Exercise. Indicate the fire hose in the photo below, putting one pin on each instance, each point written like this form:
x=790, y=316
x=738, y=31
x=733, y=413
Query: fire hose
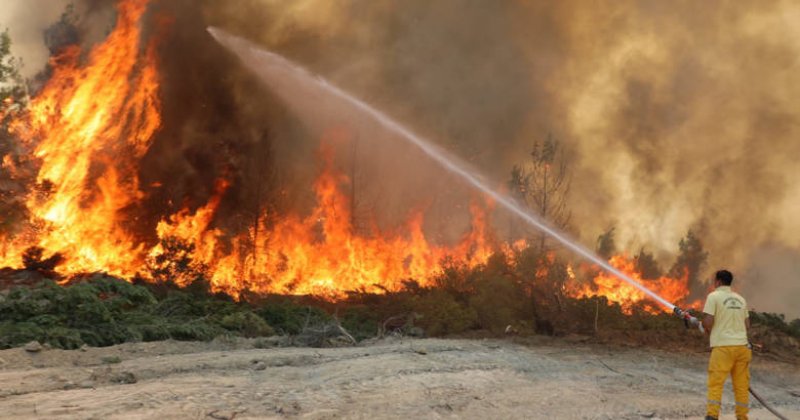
x=688, y=319
x=767, y=405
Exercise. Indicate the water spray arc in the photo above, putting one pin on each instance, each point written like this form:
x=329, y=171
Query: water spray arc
x=256, y=58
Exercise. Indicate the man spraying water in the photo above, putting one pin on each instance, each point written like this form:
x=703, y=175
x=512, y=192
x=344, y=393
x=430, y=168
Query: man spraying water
x=727, y=322
x=279, y=74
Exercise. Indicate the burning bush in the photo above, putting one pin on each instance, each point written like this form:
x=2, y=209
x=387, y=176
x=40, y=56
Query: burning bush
x=173, y=262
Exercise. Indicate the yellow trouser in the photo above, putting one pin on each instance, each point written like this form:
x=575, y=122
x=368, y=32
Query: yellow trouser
x=733, y=360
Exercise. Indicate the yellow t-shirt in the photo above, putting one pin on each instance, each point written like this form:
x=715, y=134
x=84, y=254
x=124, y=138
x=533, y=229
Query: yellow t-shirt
x=730, y=311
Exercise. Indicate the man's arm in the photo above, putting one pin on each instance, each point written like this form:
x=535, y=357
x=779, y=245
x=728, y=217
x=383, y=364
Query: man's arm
x=708, y=323
x=709, y=310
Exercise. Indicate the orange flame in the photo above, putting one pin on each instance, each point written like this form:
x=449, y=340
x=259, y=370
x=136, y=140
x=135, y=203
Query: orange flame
x=88, y=129
x=617, y=291
x=320, y=254
x=89, y=125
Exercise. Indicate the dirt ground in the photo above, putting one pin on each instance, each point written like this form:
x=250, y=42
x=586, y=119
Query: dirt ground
x=392, y=379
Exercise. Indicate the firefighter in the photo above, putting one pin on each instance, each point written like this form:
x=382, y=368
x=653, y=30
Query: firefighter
x=727, y=322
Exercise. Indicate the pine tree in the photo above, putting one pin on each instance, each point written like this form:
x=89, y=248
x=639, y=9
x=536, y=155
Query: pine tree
x=542, y=184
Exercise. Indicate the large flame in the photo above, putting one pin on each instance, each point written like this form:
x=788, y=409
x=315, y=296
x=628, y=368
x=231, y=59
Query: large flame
x=320, y=253
x=88, y=127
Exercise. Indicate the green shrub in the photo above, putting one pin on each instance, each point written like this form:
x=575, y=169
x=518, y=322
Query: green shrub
x=197, y=330
x=15, y=334
x=247, y=324
x=795, y=327
x=289, y=318
x=184, y=304
x=777, y=322
x=103, y=311
x=23, y=303
x=440, y=313
x=360, y=321
x=156, y=331
x=498, y=301
x=110, y=360
x=62, y=338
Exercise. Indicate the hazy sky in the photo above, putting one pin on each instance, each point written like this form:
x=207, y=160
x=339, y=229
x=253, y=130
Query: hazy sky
x=25, y=21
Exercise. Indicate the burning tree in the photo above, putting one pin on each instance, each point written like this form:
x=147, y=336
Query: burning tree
x=543, y=185
x=606, y=246
x=647, y=265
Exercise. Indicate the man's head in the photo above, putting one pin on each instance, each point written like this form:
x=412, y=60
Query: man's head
x=723, y=278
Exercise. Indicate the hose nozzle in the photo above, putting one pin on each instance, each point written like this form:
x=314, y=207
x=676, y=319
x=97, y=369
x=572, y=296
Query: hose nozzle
x=688, y=319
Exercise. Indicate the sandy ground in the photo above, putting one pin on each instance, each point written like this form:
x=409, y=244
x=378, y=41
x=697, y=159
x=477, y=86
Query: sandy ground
x=393, y=379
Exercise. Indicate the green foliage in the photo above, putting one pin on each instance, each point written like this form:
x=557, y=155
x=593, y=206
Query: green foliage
x=103, y=311
x=246, y=323
x=182, y=304
x=776, y=322
x=12, y=89
x=12, y=100
x=289, y=318
x=794, y=327
x=440, y=313
x=195, y=330
x=360, y=321
x=14, y=334
x=10, y=80
x=497, y=297
x=111, y=360
x=498, y=302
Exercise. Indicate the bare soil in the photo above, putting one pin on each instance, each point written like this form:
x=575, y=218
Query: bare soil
x=388, y=379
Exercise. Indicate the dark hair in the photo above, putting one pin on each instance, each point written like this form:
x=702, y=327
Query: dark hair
x=725, y=277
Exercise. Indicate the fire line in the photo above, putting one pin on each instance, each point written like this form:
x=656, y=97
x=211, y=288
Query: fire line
x=254, y=57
